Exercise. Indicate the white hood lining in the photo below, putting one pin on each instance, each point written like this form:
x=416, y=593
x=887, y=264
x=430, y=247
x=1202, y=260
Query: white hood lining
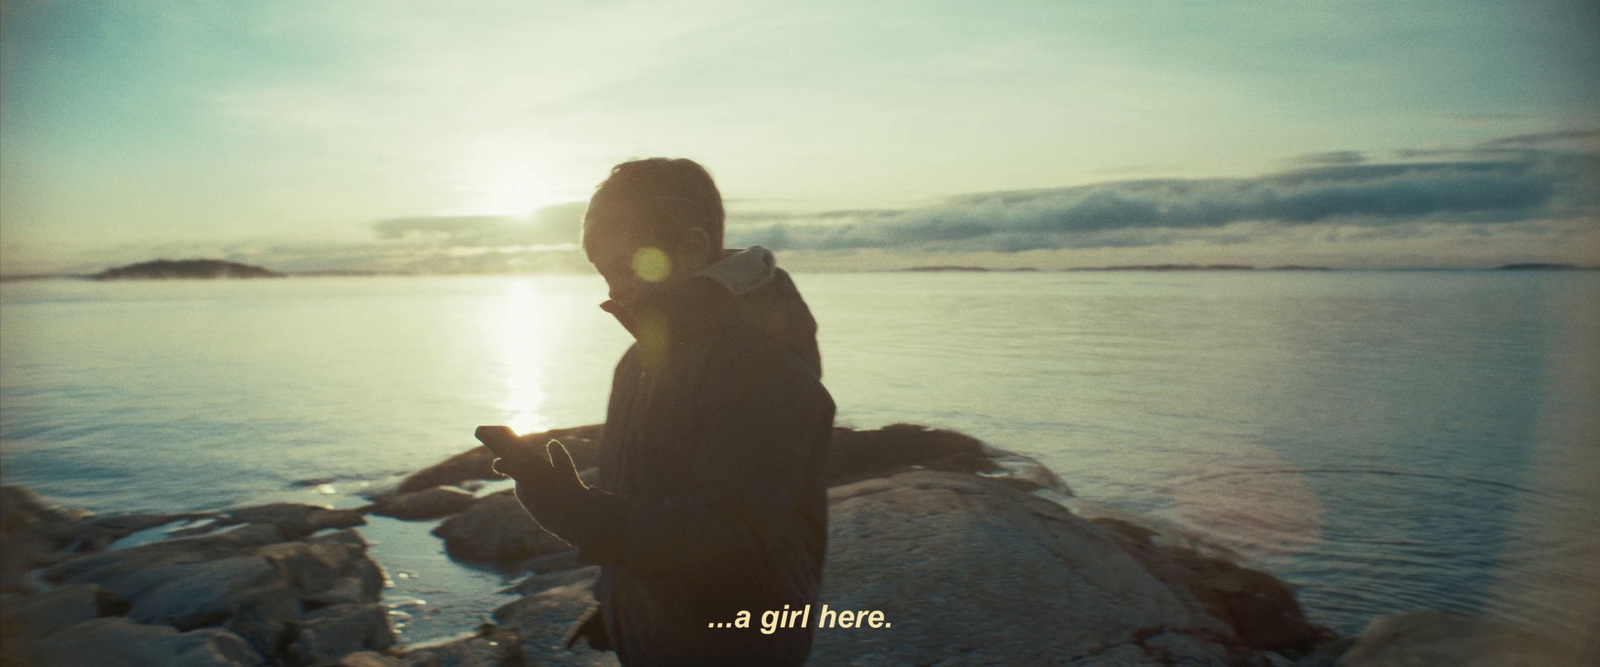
x=743, y=271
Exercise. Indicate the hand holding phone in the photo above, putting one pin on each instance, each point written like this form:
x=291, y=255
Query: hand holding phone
x=547, y=487
x=520, y=459
x=503, y=441
x=515, y=455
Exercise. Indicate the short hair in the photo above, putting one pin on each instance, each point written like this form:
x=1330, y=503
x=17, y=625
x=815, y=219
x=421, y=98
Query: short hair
x=663, y=195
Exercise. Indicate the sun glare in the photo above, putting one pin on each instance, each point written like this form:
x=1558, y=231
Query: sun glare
x=525, y=341
x=510, y=192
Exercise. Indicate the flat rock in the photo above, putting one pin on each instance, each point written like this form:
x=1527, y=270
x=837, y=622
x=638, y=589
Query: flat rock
x=194, y=595
x=1438, y=638
x=327, y=635
x=294, y=520
x=119, y=641
x=970, y=570
x=329, y=569
x=130, y=572
x=542, y=620
x=434, y=503
x=46, y=613
x=496, y=530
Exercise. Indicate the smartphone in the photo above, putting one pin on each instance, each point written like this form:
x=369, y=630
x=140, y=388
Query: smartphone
x=503, y=441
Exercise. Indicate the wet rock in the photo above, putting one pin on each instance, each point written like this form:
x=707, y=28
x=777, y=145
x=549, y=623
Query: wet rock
x=491, y=647
x=496, y=530
x=425, y=504
x=329, y=569
x=135, y=529
x=1025, y=473
x=855, y=455
x=583, y=442
x=131, y=572
x=125, y=524
x=34, y=532
x=1437, y=638
x=371, y=659
x=266, y=591
x=294, y=520
x=45, y=613
x=119, y=641
x=327, y=635
x=1258, y=607
x=21, y=509
x=542, y=620
x=194, y=595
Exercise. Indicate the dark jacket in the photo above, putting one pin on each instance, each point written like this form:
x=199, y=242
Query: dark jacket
x=712, y=499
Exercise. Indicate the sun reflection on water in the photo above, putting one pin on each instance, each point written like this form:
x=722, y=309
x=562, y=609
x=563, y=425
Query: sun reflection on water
x=525, y=337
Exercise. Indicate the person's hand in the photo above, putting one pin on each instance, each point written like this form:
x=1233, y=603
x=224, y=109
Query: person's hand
x=548, y=488
x=521, y=461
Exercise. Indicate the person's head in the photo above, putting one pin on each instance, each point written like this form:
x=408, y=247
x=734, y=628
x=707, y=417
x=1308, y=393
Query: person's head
x=652, y=224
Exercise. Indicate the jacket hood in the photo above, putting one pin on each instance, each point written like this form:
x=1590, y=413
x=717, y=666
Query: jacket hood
x=763, y=299
x=767, y=301
x=743, y=271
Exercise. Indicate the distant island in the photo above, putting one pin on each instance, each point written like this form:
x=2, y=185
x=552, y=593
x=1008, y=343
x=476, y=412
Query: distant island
x=1128, y=267
x=1203, y=267
x=164, y=269
x=1542, y=266
x=938, y=269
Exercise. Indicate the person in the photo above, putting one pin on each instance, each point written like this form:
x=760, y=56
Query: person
x=711, y=498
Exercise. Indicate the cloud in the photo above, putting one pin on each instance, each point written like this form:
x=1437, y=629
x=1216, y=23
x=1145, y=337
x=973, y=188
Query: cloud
x=556, y=225
x=1474, y=119
x=1542, y=138
x=1333, y=157
x=1520, y=186
x=1521, y=198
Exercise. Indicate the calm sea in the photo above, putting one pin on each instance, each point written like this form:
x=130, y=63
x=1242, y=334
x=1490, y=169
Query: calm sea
x=1383, y=440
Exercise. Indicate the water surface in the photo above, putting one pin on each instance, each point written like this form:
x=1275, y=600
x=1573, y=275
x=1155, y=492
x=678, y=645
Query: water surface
x=1383, y=440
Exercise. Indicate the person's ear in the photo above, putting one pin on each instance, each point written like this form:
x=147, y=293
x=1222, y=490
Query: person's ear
x=695, y=249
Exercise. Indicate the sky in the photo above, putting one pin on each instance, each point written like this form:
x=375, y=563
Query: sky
x=466, y=137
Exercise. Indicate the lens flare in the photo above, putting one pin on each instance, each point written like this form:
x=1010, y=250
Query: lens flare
x=651, y=265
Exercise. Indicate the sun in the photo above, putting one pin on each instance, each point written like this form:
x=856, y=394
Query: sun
x=510, y=191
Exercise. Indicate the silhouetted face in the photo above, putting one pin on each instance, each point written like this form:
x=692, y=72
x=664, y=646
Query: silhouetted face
x=634, y=267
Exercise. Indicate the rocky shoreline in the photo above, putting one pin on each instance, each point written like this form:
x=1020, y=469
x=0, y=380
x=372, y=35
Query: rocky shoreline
x=965, y=550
